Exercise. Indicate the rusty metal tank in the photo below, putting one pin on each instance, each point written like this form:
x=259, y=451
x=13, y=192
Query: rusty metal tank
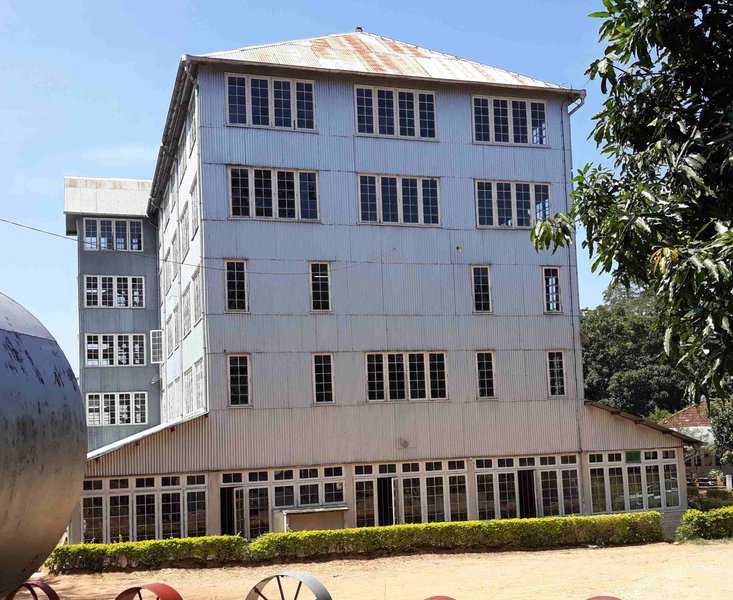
x=42, y=443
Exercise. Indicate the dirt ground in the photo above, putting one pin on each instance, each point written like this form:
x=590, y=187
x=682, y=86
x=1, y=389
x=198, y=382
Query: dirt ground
x=657, y=571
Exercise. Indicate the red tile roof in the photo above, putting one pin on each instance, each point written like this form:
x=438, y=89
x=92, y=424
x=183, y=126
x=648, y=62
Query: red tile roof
x=695, y=415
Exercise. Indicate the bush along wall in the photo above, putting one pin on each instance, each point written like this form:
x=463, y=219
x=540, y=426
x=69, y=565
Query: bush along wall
x=712, y=524
x=506, y=534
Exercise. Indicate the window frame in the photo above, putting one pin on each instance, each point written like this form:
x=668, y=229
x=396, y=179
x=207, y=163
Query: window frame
x=400, y=202
x=495, y=210
x=270, y=102
x=274, y=187
x=115, y=349
x=384, y=354
x=510, y=118
x=493, y=375
x=246, y=309
x=316, y=402
x=473, y=290
x=395, y=112
x=129, y=279
x=560, y=303
x=248, y=356
x=114, y=221
x=328, y=284
x=117, y=422
x=564, y=374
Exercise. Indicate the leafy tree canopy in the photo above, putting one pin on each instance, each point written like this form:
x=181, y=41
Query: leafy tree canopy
x=623, y=358
x=659, y=216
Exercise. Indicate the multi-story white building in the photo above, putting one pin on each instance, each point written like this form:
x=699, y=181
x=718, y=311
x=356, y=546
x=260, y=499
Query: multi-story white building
x=356, y=329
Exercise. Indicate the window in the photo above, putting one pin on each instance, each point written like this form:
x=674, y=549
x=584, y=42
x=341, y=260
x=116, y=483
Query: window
x=236, y=285
x=387, y=469
x=259, y=512
x=145, y=517
x=507, y=496
x=333, y=472
x=186, y=310
x=250, y=98
x=570, y=492
x=653, y=487
x=108, y=234
x=509, y=204
x=320, y=294
x=156, y=346
x=114, y=350
x=239, y=380
x=481, y=289
x=556, y=373
x=295, y=192
x=396, y=112
x=309, y=493
x=195, y=513
x=333, y=491
x=671, y=486
x=598, y=490
x=457, y=498
x=411, y=500
x=363, y=470
x=323, y=378
x=399, y=200
x=508, y=120
x=550, y=495
x=485, y=368
x=636, y=496
x=195, y=206
x=364, y=501
x=123, y=408
x=420, y=379
x=485, y=495
x=308, y=473
x=551, y=280
x=93, y=519
x=170, y=515
x=197, y=305
x=198, y=378
x=185, y=236
x=284, y=495
x=434, y=498
x=410, y=467
x=119, y=519
x=107, y=291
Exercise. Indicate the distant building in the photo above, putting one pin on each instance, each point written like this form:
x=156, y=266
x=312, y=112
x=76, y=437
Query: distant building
x=344, y=322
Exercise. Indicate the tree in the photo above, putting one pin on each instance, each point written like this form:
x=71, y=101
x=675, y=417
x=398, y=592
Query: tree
x=659, y=216
x=623, y=359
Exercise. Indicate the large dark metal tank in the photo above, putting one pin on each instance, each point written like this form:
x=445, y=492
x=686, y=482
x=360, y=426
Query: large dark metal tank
x=42, y=443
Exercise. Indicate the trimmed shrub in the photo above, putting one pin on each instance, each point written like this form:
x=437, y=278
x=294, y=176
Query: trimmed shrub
x=505, y=534
x=712, y=524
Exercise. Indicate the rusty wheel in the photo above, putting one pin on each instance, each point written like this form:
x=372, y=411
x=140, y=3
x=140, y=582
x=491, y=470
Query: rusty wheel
x=290, y=585
x=160, y=590
x=32, y=586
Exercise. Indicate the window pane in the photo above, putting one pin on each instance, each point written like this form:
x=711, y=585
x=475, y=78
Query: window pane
x=236, y=98
x=368, y=197
x=138, y=292
x=550, y=496
x=431, y=213
x=570, y=492
x=94, y=410
x=90, y=234
x=240, y=192
x=236, y=285
x=260, y=103
x=598, y=491
x=108, y=351
x=281, y=98
x=396, y=372
x=636, y=497
x=437, y=376
x=409, y=200
x=434, y=497
x=136, y=236
x=284, y=495
x=333, y=492
x=616, y=481
x=417, y=376
x=121, y=235
x=119, y=519
x=541, y=202
x=170, y=515
x=309, y=493
x=107, y=298
x=138, y=349
x=671, y=486
x=364, y=110
x=427, y=115
x=539, y=132
x=390, y=212
x=238, y=380
x=93, y=520
x=552, y=289
x=319, y=287
x=524, y=210
x=519, y=121
x=557, y=373
x=145, y=517
x=140, y=408
x=263, y=193
x=411, y=500
x=195, y=514
x=308, y=198
x=323, y=377
x=375, y=377
x=286, y=194
x=105, y=234
x=501, y=121
x=504, y=204
x=124, y=407
x=304, y=99
x=481, y=289
x=385, y=109
x=364, y=503
x=484, y=203
x=481, y=120
x=407, y=113
x=457, y=498
x=123, y=293
x=259, y=512
x=485, y=493
x=92, y=344
x=653, y=487
x=507, y=496
x=485, y=364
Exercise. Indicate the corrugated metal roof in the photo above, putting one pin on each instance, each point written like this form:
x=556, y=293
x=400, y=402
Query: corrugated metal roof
x=371, y=54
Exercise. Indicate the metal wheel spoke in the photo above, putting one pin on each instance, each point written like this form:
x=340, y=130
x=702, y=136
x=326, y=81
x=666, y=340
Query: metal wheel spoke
x=297, y=591
x=280, y=587
x=260, y=594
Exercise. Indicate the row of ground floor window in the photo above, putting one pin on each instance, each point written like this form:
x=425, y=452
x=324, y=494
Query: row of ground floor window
x=250, y=503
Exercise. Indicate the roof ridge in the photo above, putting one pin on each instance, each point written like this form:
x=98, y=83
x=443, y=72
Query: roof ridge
x=281, y=43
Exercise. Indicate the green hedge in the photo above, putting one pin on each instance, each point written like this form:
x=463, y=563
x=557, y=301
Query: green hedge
x=506, y=534
x=709, y=525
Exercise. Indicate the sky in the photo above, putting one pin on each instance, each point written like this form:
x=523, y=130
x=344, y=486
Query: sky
x=86, y=87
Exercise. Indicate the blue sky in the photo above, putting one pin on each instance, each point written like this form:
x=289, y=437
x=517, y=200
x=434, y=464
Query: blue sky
x=86, y=85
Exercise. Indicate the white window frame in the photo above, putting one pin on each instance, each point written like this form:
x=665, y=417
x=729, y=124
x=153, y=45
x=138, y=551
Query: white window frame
x=117, y=411
x=400, y=210
x=493, y=375
x=473, y=290
x=406, y=363
x=396, y=112
x=197, y=306
x=273, y=179
x=115, y=349
x=564, y=373
x=161, y=344
x=195, y=207
x=114, y=221
x=492, y=134
x=495, y=213
x=328, y=283
x=246, y=309
x=249, y=403
x=271, y=102
x=544, y=290
x=313, y=378
x=114, y=291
